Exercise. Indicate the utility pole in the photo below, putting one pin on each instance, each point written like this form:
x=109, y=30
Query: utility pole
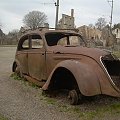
x=111, y=16
x=111, y=19
x=57, y=11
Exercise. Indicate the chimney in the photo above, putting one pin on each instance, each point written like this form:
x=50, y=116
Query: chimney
x=72, y=12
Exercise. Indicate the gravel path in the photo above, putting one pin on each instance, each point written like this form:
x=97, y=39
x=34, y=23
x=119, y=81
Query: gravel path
x=20, y=102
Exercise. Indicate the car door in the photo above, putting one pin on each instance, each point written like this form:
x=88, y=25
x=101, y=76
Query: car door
x=22, y=54
x=36, y=58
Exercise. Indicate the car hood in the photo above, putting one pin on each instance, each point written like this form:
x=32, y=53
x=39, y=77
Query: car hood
x=90, y=52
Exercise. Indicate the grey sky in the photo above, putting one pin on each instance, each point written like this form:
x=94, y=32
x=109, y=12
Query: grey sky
x=86, y=11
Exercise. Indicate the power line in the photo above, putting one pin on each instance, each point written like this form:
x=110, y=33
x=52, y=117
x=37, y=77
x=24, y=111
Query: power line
x=46, y=3
x=57, y=10
x=54, y=1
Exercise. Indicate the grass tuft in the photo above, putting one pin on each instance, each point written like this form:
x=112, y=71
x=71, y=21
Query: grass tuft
x=23, y=80
x=2, y=117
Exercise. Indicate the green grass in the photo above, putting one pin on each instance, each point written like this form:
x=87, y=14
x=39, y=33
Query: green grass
x=117, y=53
x=87, y=113
x=100, y=112
x=23, y=80
x=51, y=101
x=115, y=107
x=16, y=77
x=2, y=117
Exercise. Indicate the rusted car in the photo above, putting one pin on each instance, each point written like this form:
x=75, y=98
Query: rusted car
x=59, y=59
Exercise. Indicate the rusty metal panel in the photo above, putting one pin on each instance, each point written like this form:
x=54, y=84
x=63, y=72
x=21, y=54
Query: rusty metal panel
x=22, y=57
x=36, y=64
x=32, y=80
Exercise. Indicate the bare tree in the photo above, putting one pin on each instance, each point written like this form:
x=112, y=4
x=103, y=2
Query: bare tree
x=35, y=19
x=1, y=34
x=12, y=37
x=101, y=23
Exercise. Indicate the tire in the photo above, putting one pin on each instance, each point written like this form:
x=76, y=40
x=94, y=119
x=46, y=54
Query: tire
x=14, y=66
x=18, y=71
x=73, y=97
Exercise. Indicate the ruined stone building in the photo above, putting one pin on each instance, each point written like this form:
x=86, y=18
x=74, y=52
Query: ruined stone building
x=100, y=38
x=116, y=32
x=108, y=38
x=92, y=35
x=67, y=22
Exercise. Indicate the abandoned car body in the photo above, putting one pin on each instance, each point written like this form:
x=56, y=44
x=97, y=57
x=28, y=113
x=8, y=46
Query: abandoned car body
x=58, y=59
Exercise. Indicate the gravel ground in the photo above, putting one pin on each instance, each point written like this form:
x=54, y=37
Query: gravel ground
x=23, y=102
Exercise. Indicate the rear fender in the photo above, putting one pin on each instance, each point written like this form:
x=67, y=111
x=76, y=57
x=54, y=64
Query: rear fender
x=85, y=76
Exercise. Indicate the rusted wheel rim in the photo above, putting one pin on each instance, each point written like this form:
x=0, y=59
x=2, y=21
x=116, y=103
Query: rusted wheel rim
x=73, y=97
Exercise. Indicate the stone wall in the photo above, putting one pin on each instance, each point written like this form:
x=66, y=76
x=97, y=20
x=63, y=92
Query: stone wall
x=90, y=33
x=67, y=22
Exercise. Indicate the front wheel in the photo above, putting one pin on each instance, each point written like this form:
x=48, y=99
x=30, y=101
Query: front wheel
x=73, y=97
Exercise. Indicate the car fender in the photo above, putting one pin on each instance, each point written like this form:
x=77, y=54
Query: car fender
x=86, y=78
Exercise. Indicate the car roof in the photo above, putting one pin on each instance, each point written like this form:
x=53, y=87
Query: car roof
x=47, y=31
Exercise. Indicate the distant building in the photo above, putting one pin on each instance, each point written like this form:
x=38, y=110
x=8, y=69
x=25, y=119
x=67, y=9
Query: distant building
x=116, y=32
x=67, y=22
x=93, y=36
x=90, y=33
x=97, y=37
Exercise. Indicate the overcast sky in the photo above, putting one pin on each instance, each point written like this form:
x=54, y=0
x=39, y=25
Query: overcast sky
x=86, y=11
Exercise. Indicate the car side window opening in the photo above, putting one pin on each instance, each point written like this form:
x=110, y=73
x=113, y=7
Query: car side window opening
x=64, y=39
x=25, y=44
x=30, y=42
x=36, y=42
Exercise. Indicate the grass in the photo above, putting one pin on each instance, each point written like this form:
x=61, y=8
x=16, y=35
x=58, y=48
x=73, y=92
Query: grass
x=101, y=111
x=87, y=111
x=23, y=80
x=2, y=117
x=117, y=53
x=115, y=107
x=16, y=77
x=51, y=101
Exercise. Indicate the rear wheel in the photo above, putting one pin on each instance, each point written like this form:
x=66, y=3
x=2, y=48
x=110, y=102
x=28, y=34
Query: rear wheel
x=17, y=70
